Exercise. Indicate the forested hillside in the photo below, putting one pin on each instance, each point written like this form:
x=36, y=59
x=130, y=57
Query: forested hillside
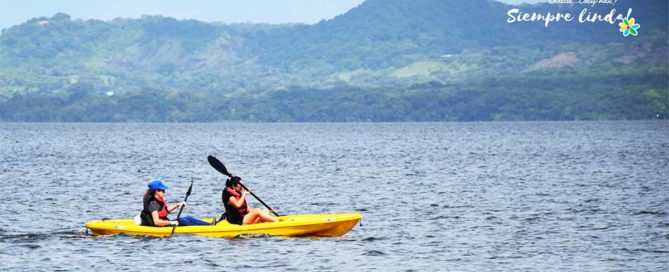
x=418, y=60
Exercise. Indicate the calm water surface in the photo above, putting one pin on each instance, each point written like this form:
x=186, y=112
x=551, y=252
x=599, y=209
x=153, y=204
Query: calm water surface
x=532, y=196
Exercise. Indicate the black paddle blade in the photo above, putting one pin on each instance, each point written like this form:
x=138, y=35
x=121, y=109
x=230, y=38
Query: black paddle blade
x=190, y=188
x=218, y=165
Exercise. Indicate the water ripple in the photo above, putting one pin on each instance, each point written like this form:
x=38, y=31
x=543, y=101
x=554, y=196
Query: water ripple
x=528, y=196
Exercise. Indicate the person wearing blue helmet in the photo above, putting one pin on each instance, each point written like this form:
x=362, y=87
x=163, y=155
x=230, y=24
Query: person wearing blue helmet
x=155, y=209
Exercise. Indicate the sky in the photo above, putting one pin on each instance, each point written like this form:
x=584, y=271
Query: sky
x=13, y=12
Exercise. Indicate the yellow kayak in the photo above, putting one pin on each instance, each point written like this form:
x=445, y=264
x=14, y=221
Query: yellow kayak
x=290, y=225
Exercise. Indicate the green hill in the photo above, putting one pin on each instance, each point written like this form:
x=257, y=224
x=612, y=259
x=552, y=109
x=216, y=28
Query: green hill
x=420, y=60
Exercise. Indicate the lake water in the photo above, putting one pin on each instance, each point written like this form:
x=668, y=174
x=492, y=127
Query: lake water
x=534, y=196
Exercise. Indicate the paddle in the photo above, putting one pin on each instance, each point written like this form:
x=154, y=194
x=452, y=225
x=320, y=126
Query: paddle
x=218, y=165
x=190, y=189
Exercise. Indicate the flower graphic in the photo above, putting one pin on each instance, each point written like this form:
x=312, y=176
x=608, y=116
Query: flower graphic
x=628, y=27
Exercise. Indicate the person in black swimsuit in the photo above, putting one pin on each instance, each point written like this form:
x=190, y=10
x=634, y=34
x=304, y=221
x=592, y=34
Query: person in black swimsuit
x=236, y=209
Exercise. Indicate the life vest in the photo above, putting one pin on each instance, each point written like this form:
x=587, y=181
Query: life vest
x=232, y=214
x=162, y=214
x=147, y=219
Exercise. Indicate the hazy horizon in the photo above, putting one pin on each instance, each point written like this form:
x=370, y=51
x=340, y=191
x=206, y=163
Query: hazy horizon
x=226, y=11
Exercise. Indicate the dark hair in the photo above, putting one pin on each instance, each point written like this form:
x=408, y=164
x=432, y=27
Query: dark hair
x=150, y=192
x=233, y=181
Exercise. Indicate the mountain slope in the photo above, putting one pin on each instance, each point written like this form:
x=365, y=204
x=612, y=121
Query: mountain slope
x=432, y=49
x=382, y=33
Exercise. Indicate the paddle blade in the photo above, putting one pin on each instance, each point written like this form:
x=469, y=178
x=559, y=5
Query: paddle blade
x=190, y=189
x=218, y=165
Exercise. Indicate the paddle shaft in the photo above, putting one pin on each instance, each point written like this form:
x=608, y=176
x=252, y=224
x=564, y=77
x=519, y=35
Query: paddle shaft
x=181, y=209
x=190, y=189
x=254, y=195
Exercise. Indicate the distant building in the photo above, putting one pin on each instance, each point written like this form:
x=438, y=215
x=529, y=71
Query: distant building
x=43, y=22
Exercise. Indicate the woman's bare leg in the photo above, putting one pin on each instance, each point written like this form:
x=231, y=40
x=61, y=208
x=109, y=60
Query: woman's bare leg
x=257, y=216
x=266, y=217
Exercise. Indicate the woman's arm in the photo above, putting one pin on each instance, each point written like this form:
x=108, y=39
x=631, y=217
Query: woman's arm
x=173, y=207
x=237, y=202
x=159, y=222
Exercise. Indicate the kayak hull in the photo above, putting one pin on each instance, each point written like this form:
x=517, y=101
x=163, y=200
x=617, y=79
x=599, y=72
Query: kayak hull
x=288, y=226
